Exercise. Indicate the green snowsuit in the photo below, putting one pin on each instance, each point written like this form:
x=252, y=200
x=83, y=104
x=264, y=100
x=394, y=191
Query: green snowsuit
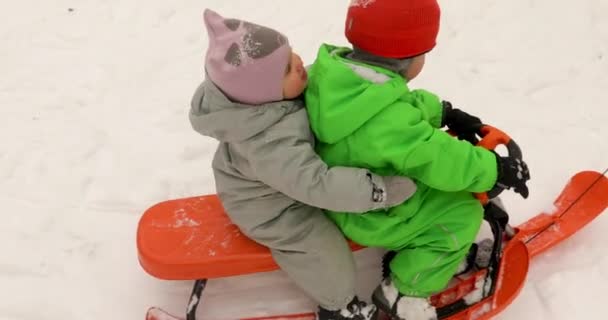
x=365, y=116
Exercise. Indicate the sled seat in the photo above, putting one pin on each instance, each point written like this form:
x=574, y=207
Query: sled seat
x=193, y=238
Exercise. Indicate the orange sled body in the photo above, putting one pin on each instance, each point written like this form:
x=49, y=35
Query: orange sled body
x=192, y=238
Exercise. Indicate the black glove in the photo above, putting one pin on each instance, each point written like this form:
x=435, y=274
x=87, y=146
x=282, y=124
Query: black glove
x=464, y=125
x=512, y=173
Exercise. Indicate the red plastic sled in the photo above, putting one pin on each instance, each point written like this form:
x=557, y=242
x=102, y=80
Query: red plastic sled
x=192, y=238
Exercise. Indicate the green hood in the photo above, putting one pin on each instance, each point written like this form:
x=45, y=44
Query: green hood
x=339, y=100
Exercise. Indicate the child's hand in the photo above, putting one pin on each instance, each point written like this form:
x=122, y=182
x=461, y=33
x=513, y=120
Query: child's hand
x=513, y=173
x=464, y=125
x=398, y=189
x=392, y=190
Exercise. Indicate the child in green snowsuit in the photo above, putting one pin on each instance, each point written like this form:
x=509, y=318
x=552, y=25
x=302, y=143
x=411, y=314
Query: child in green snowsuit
x=364, y=115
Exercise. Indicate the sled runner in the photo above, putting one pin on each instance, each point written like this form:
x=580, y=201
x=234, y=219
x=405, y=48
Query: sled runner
x=193, y=239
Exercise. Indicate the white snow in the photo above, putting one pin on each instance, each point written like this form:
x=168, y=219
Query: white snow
x=481, y=285
x=485, y=308
x=94, y=130
x=192, y=303
x=415, y=308
x=159, y=314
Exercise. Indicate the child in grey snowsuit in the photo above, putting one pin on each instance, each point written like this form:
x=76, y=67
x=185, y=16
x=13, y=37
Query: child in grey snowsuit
x=267, y=174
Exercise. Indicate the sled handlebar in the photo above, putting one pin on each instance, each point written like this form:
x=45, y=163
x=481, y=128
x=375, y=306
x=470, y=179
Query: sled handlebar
x=491, y=138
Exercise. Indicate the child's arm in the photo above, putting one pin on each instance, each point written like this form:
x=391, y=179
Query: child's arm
x=429, y=105
x=402, y=138
x=289, y=164
x=441, y=114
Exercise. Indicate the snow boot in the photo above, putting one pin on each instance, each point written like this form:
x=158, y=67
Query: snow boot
x=399, y=307
x=355, y=310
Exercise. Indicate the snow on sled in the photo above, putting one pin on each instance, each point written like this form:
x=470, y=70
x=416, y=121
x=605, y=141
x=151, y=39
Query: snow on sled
x=193, y=239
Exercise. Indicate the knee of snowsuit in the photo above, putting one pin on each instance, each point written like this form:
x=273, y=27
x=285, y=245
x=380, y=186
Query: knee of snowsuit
x=431, y=233
x=313, y=252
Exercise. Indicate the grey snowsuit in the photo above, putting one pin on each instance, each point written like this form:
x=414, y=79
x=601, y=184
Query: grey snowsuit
x=271, y=181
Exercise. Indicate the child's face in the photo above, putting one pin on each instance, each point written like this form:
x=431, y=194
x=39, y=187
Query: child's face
x=415, y=68
x=295, y=79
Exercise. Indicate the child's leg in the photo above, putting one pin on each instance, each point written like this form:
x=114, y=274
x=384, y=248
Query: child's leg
x=428, y=262
x=313, y=252
x=327, y=272
x=440, y=235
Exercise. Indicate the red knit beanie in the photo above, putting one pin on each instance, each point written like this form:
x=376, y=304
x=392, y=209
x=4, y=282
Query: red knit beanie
x=393, y=28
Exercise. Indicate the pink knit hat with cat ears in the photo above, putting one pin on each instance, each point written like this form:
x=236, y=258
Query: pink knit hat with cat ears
x=245, y=60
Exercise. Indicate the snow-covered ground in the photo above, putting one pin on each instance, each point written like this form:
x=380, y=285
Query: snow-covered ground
x=94, y=97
